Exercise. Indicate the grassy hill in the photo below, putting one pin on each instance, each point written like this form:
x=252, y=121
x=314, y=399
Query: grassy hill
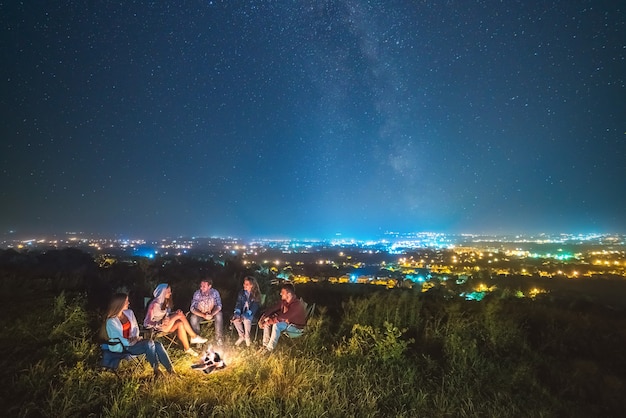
x=365, y=353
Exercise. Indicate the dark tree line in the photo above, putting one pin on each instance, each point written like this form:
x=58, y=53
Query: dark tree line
x=73, y=270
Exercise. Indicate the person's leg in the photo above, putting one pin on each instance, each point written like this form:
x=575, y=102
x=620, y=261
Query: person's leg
x=182, y=334
x=293, y=331
x=238, y=324
x=194, y=322
x=219, y=327
x=277, y=328
x=145, y=347
x=247, y=326
x=163, y=357
x=267, y=333
x=187, y=327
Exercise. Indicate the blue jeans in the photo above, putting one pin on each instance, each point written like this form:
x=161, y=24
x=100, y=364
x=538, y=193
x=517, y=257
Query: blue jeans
x=218, y=320
x=154, y=351
x=271, y=335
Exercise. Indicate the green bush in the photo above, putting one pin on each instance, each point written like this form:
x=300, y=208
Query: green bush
x=370, y=344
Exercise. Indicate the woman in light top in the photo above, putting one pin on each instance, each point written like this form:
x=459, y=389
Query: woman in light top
x=121, y=332
x=161, y=318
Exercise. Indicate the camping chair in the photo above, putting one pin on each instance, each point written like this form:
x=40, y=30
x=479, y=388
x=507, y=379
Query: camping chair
x=255, y=321
x=111, y=359
x=168, y=338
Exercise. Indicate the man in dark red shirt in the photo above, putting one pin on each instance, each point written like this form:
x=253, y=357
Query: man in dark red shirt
x=288, y=316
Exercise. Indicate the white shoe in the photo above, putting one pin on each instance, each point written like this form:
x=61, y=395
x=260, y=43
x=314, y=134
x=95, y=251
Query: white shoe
x=239, y=341
x=191, y=352
x=198, y=340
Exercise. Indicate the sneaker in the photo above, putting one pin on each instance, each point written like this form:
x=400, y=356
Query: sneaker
x=191, y=352
x=239, y=341
x=198, y=340
x=265, y=352
x=248, y=342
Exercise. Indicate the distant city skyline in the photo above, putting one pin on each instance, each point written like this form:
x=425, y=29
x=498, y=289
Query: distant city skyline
x=423, y=238
x=312, y=119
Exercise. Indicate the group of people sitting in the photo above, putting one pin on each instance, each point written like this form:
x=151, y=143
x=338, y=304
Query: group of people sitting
x=121, y=330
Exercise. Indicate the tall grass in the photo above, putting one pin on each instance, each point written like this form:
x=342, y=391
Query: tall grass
x=394, y=353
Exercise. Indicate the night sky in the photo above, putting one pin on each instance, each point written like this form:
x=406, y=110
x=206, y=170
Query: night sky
x=307, y=119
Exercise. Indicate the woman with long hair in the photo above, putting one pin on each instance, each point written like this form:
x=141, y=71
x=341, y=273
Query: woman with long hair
x=161, y=318
x=121, y=332
x=246, y=307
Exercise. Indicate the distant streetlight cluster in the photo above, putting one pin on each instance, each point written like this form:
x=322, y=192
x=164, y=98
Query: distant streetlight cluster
x=423, y=259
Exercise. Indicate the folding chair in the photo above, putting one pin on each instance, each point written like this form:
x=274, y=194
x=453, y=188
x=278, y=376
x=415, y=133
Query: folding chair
x=309, y=311
x=255, y=321
x=169, y=338
x=111, y=359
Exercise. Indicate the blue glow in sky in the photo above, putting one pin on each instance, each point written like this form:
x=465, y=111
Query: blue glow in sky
x=305, y=119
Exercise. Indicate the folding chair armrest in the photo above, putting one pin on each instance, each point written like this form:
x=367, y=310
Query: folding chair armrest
x=146, y=333
x=112, y=341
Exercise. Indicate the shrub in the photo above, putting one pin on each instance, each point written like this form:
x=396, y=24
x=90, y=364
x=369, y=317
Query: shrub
x=374, y=345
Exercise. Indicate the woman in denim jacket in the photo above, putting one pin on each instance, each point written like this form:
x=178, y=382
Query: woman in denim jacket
x=248, y=303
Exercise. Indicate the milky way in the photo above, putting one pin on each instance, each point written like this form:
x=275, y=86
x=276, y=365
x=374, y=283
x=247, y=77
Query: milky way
x=307, y=119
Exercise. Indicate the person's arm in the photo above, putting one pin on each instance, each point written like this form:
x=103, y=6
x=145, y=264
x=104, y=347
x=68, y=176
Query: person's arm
x=218, y=303
x=273, y=311
x=134, y=327
x=194, y=306
x=115, y=333
x=294, y=314
x=269, y=316
x=253, y=308
x=239, y=304
x=149, y=321
x=135, y=334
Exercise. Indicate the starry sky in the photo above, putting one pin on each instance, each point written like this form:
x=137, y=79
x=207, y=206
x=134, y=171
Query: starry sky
x=309, y=119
